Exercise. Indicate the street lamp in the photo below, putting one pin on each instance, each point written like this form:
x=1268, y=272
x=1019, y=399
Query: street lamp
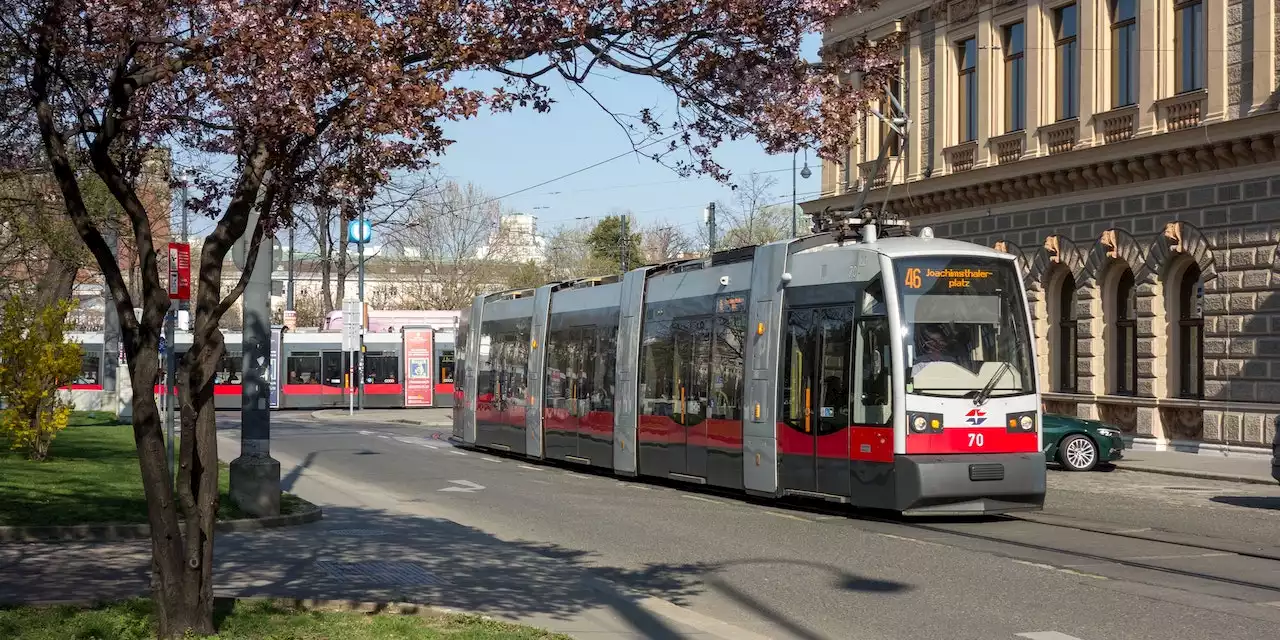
x=804, y=173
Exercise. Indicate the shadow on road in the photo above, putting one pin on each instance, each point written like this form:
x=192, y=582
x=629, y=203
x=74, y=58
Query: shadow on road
x=1253, y=502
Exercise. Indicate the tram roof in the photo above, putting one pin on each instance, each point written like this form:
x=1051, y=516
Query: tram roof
x=913, y=246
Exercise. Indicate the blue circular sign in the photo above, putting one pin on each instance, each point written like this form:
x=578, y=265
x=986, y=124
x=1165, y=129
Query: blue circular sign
x=359, y=231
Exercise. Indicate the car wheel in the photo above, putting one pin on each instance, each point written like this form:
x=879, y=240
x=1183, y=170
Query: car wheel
x=1078, y=453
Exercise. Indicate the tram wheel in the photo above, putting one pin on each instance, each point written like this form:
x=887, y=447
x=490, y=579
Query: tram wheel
x=1078, y=453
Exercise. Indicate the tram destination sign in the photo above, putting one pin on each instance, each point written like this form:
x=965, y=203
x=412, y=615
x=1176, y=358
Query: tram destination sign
x=963, y=278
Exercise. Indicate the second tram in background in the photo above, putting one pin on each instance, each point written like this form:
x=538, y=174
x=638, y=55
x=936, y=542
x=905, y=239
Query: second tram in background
x=892, y=373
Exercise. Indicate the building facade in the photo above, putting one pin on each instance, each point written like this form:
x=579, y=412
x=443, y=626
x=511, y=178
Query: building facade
x=1128, y=151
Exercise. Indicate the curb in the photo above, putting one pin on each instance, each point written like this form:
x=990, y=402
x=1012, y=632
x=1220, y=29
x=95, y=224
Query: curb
x=118, y=532
x=1203, y=475
x=1155, y=535
x=303, y=604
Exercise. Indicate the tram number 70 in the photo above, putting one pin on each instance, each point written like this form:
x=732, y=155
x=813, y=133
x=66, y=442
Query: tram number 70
x=913, y=280
x=975, y=439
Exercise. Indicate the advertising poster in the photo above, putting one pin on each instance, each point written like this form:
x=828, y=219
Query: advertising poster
x=273, y=372
x=419, y=368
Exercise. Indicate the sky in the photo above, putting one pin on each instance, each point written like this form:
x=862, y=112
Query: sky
x=509, y=152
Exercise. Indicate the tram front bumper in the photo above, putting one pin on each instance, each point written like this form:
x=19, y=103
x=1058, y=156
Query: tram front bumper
x=962, y=484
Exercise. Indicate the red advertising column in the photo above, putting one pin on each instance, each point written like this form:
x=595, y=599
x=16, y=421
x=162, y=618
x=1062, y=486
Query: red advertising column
x=419, y=367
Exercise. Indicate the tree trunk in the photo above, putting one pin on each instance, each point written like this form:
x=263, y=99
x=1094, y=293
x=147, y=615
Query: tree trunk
x=323, y=218
x=182, y=603
x=340, y=247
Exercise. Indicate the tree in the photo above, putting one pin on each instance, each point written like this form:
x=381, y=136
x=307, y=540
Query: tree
x=265, y=88
x=569, y=254
x=35, y=360
x=754, y=217
x=452, y=247
x=614, y=239
x=662, y=242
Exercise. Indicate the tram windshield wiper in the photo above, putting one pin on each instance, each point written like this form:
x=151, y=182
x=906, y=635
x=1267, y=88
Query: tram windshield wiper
x=985, y=394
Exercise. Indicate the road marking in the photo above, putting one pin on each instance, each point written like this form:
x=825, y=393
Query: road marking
x=488, y=459
x=455, y=451
x=1270, y=604
x=529, y=467
x=366, y=433
x=385, y=437
x=1177, y=557
x=915, y=540
x=704, y=499
x=465, y=486
x=430, y=446
x=1046, y=635
x=786, y=515
x=1041, y=565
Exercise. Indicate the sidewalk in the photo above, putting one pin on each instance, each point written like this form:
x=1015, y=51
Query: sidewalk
x=372, y=547
x=1239, y=468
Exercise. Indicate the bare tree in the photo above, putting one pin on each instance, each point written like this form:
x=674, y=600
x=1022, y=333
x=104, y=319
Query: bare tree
x=664, y=241
x=569, y=254
x=449, y=245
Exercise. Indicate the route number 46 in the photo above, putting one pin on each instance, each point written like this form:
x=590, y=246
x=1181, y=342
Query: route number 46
x=975, y=439
x=913, y=280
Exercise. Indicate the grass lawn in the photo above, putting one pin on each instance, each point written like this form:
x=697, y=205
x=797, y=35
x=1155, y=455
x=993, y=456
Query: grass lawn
x=91, y=477
x=131, y=620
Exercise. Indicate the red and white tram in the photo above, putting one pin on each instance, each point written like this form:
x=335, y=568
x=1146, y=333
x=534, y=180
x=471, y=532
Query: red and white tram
x=894, y=373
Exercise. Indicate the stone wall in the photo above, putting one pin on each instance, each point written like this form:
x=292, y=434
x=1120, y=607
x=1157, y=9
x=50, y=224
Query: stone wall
x=1239, y=71
x=1231, y=229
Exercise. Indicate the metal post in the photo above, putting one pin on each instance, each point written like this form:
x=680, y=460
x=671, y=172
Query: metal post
x=711, y=227
x=793, y=192
x=255, y=475
x=625, y=241
x=170, y=383
x=288, y=300
x=360, y=382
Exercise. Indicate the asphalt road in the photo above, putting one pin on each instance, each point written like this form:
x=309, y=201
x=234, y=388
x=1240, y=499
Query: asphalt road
x=795, y=572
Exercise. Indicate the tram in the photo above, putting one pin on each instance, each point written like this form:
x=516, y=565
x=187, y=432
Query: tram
x=890, y=373
x=312, y=369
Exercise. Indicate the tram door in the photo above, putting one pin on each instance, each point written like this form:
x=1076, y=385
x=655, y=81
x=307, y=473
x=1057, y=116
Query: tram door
x=815, y=400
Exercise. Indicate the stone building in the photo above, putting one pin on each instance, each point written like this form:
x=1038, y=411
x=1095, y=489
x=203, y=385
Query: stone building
x=1129, y=152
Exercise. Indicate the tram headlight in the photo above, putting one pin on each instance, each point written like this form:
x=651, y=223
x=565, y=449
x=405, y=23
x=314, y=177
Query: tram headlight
x=921, y=423
x=1023, y=422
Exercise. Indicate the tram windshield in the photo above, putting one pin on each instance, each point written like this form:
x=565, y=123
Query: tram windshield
x=965, y=327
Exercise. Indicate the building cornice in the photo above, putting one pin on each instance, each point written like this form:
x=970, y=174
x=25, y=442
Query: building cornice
x=1225, y=145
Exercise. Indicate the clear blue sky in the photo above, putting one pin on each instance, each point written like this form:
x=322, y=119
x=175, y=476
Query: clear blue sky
x=503, y=153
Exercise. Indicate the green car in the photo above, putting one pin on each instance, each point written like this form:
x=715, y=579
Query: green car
x=1079, y=444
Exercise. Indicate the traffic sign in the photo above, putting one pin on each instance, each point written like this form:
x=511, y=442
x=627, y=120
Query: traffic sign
x=359, y=231
x=351, y=324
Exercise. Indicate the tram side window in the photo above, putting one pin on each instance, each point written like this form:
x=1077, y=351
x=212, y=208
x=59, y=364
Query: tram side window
x=584, y=342
x=304, y=367
x=727, y=364
x=559, y=368
x=872, y=357
x=692, y=366
x=381, y=367
x=230, y=368
x=90, y=367
x=657, y=370
x=605, y=357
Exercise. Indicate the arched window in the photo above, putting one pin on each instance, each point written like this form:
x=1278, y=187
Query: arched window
x=1066, y=343
x=1125, y=327
x=1190, y=334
